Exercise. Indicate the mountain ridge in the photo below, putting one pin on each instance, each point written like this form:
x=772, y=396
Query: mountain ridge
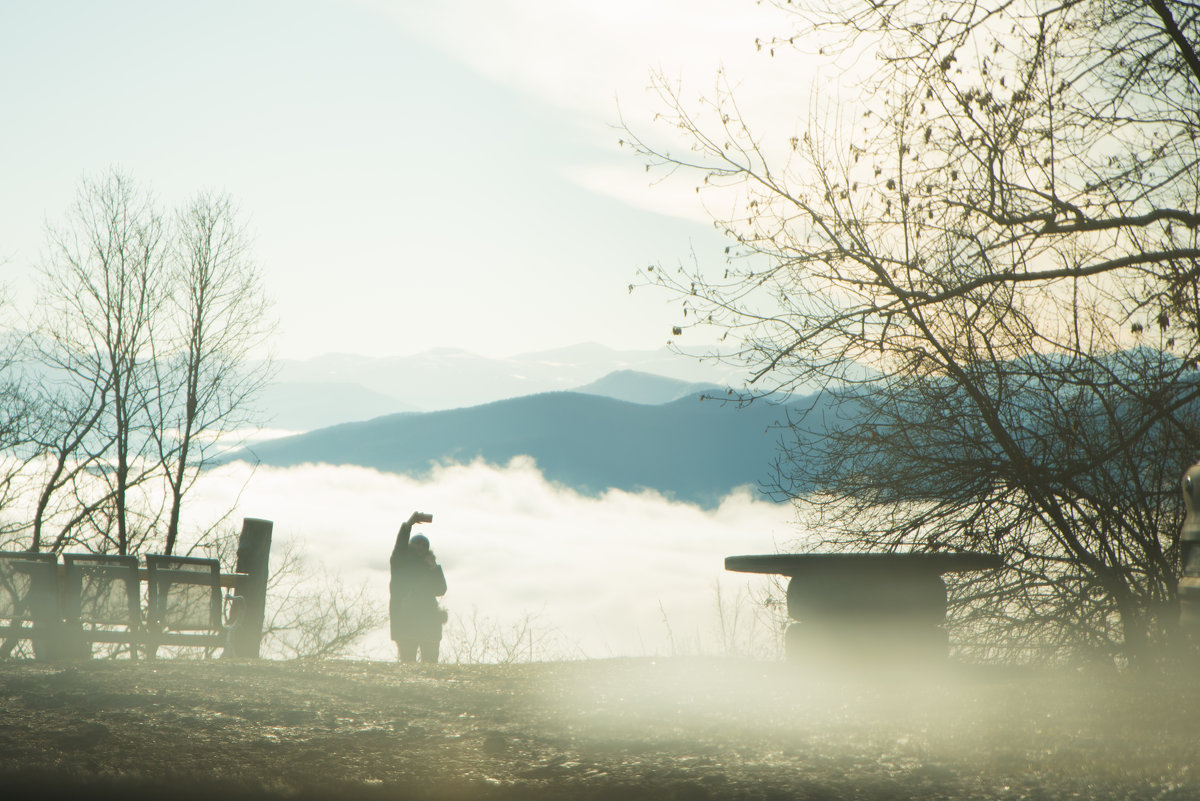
x=434, y=380
x=690, y=450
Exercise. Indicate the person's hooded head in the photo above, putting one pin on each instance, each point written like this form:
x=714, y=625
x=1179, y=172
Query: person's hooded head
x=419, y=544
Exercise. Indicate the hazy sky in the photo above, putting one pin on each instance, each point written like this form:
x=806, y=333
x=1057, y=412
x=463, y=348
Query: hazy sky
x=416, y=174
x=420, y=174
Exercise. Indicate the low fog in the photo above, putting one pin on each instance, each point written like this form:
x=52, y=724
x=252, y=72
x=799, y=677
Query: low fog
x=617, y=575
x=622, y=575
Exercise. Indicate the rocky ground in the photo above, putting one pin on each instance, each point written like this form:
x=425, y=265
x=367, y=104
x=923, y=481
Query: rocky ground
x=631, y=729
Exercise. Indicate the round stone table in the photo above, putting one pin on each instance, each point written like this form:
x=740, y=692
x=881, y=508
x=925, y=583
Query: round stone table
x=865, y=609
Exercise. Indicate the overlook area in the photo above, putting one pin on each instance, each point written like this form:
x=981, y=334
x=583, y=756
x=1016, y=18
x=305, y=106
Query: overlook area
x=632, y=729
x=713, y=336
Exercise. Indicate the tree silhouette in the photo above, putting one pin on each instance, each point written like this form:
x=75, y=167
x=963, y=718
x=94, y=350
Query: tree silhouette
x=994, y=268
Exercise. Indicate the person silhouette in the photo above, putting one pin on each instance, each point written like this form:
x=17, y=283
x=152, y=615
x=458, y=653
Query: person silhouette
x=417, y=582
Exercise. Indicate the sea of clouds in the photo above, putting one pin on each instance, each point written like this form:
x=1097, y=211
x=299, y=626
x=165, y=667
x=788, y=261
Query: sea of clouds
x=588, y=577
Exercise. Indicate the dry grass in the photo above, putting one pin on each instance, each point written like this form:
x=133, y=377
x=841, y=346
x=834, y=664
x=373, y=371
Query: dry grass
x=630, y=729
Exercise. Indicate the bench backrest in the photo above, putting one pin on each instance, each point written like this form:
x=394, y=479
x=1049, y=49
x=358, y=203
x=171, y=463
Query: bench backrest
x=184, y=592
x=28, y=587
x=103, y=589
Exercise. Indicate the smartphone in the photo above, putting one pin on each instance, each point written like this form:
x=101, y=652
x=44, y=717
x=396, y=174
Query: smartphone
x=424, y=518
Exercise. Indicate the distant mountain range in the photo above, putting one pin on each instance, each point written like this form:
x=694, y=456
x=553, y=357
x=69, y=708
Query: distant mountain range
x=306, y=405
x=337, y=388
x=628, y=429
x=689, y=449
x=637, y=387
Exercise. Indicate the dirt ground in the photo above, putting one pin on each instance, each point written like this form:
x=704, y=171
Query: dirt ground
x=683, y=729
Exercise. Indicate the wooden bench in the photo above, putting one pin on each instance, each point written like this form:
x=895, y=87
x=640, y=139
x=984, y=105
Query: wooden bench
x=65, y=609
x=184, y=602
x=101, y=591
x=29, y=601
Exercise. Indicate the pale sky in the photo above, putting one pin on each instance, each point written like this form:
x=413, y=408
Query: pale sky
x=416, y=175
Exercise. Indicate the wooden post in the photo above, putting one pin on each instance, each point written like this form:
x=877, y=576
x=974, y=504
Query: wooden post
x=253, y=557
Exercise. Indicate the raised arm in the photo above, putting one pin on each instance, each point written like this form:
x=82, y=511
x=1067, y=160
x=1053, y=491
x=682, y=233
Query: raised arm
x=402, y=537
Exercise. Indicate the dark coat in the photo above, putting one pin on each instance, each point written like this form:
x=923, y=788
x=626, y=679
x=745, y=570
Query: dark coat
x=417, y=582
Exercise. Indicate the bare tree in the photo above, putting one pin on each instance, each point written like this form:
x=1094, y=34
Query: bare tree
x=321, y=618
x=993, y=271
x=312, y=614
x=102, y=288
x=1086, y=515
x=20, y=414
x=58, y=458
x=478, y=638
x=214, y=321
x=141, y=346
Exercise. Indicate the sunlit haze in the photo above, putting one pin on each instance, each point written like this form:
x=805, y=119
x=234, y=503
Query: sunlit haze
x=898, y=300
x=618, y=575
x=414, y=175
